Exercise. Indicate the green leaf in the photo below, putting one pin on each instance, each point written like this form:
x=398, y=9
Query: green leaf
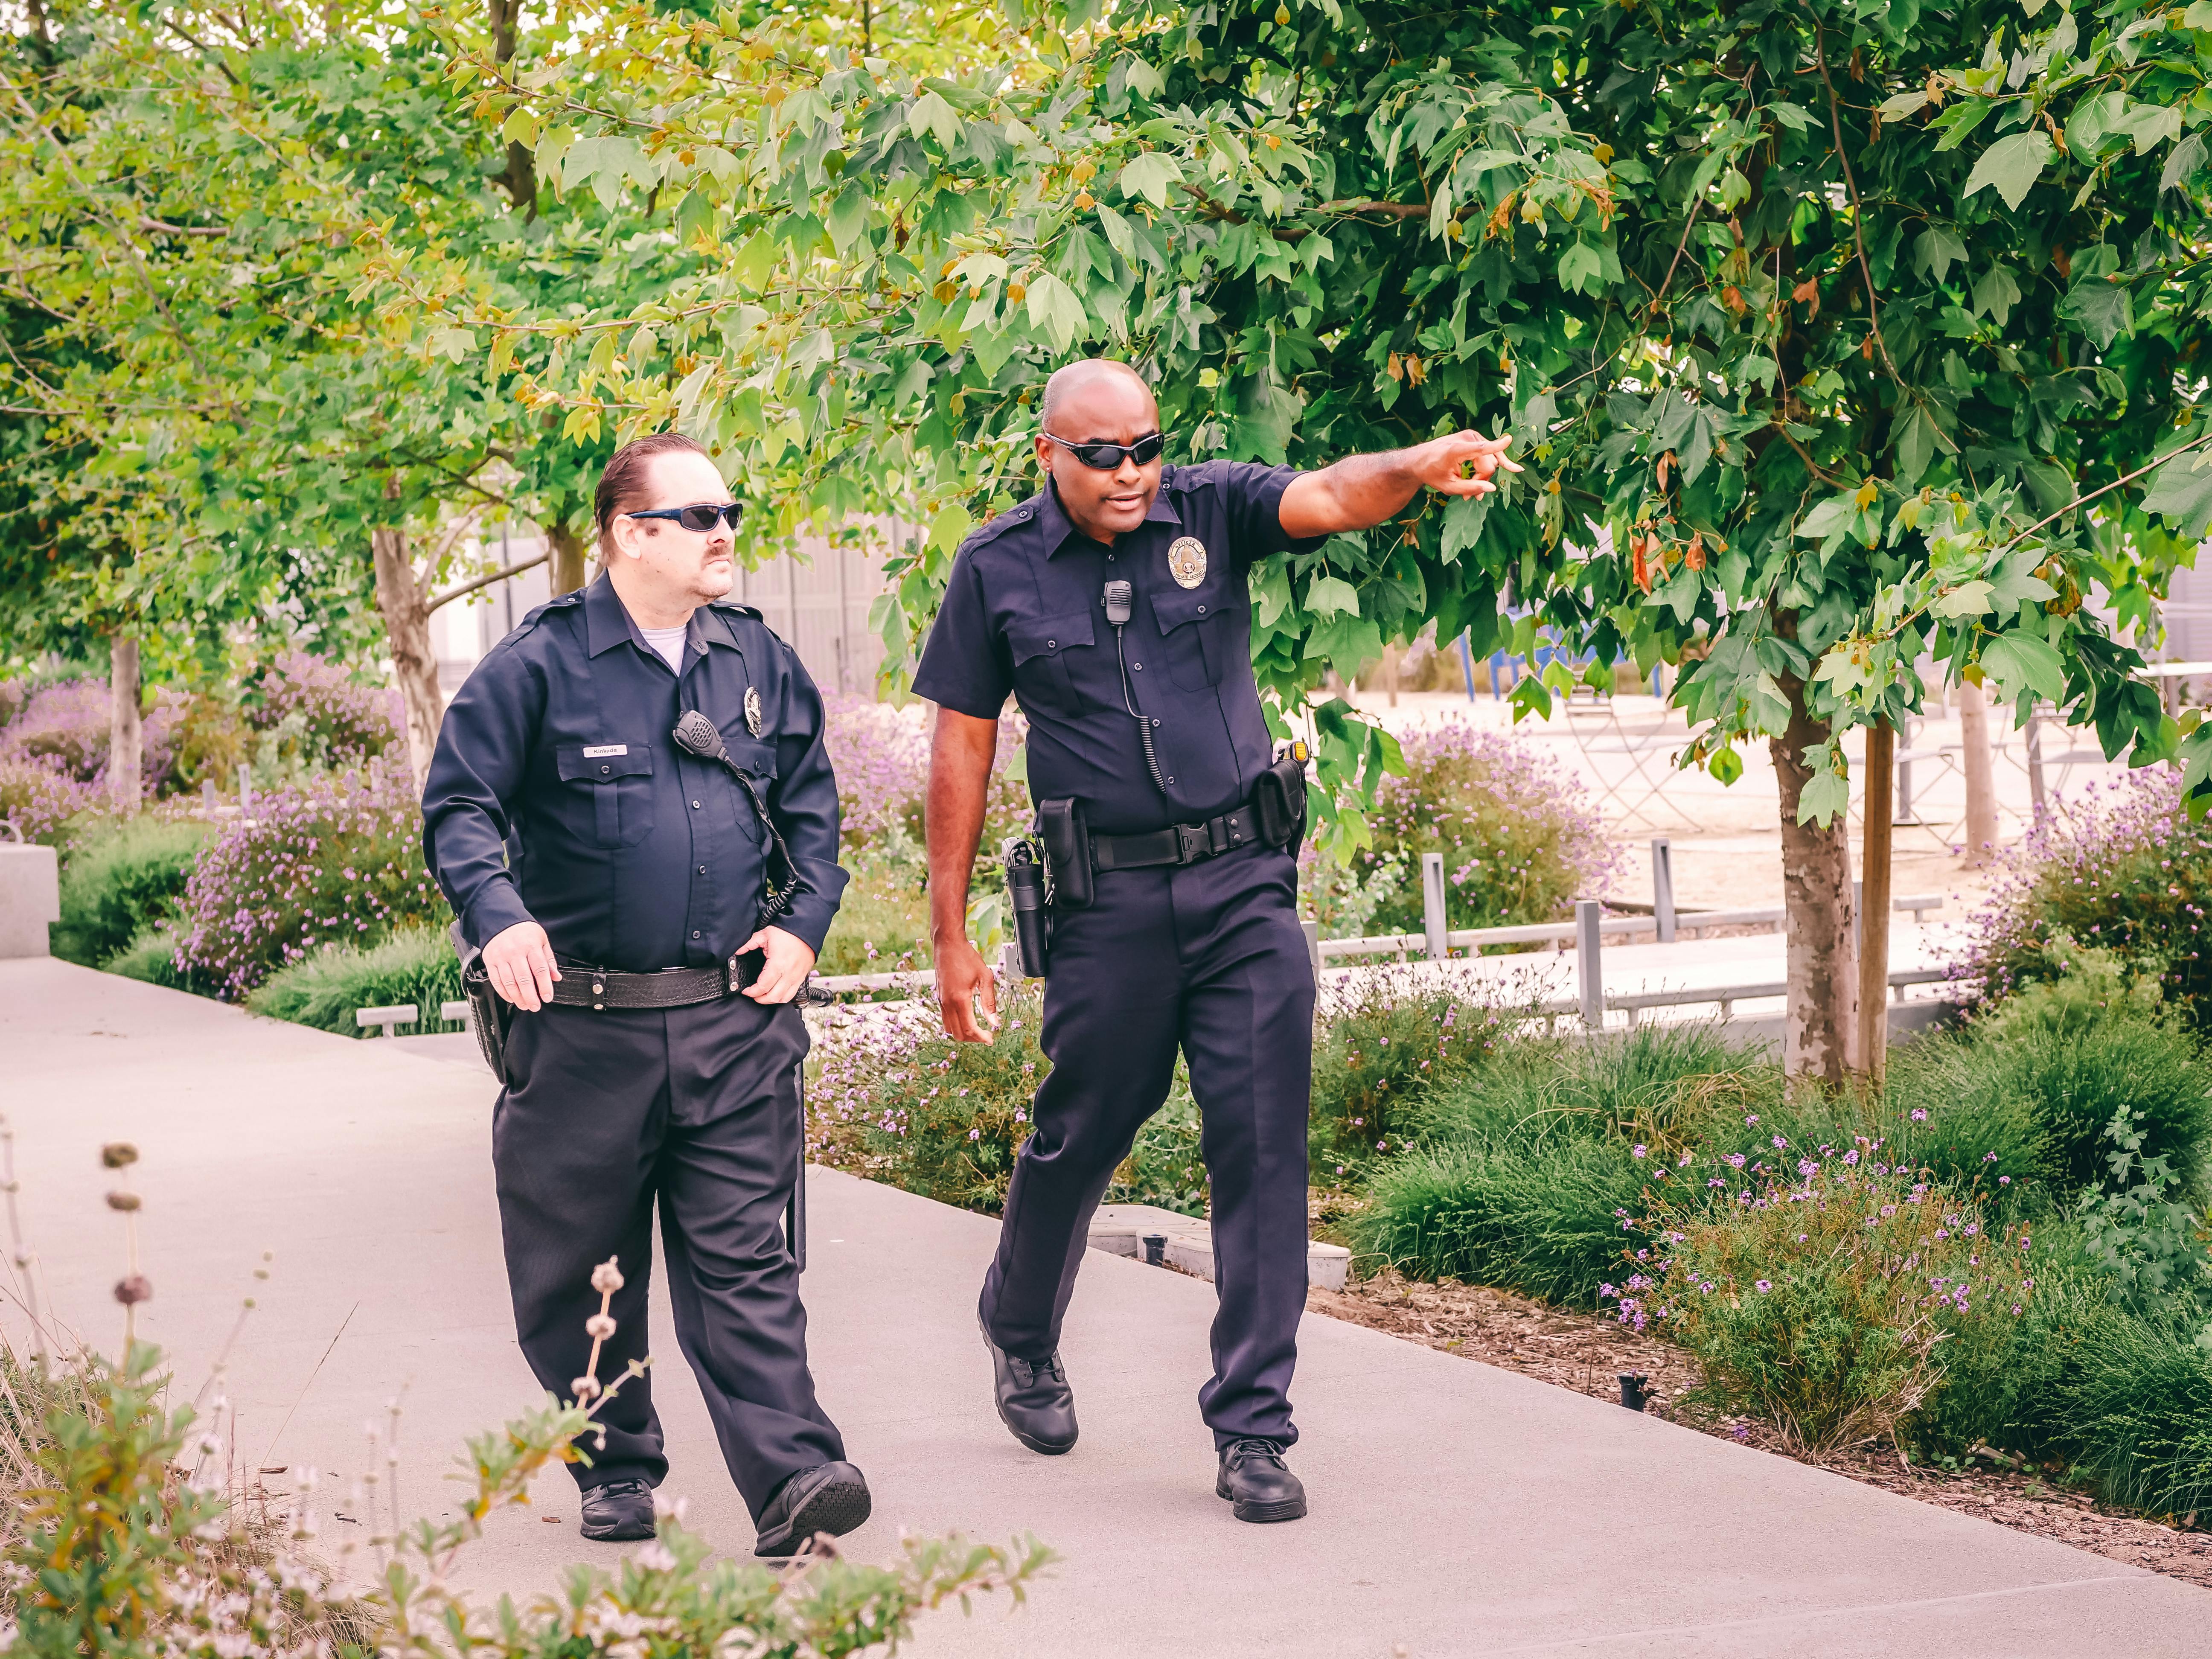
x=1150, y=175
x=1903, y=103
x=2015, y=583
x=2019, y=661
x=2182, y=164
x=1828, y=517
x=1966, y=599
x=1464, y=516
x=1824, y=796
x=931, y=115
x=2181, y=494
x=1995, y=294
x=1935, y=250
x=1724, y=764
x=1054, y=308
x=1581, y=267
x=2103, y=309
x=1331, y=596
x=849, y=216
x=2012, y=166
x=1801, y=120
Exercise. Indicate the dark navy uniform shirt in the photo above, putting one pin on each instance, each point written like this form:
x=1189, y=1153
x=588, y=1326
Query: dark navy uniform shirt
x=1025, y=613
x=558, y=795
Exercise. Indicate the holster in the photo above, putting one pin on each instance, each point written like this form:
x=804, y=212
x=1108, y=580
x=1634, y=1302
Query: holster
x=1061, y=826
x=487, y=1010
x=1279, y=796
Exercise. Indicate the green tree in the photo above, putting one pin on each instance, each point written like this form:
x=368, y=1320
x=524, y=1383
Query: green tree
x=1839, y=338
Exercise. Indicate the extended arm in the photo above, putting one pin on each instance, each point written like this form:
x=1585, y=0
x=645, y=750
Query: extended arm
x=1362, y=490
x=961, y=751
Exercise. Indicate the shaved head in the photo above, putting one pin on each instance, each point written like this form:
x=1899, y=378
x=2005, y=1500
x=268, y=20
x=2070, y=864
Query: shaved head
x=1066, y=384
x=1099, y=401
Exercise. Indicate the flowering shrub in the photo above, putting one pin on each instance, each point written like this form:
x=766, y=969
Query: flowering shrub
x=1816, y=1291
x=881, y=755
x=39, y=798
x=897, y=1100
x=1521, y=839
x=2126, y=871
x=335, y=718
x=66, y=723
x=335, y=858
x=1381, y=1042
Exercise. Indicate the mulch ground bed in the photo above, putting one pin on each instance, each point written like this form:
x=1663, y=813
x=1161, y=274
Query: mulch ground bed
x=1588, y=1352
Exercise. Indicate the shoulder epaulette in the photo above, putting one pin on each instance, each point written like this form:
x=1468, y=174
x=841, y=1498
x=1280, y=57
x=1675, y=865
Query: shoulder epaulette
x=741, y=609
x=1013, y=519
x=559, y=602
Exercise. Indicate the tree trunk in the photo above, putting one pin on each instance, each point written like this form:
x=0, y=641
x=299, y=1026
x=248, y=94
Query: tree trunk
x=1873, y=902
x=1820, y=1028
x=125, y=736
x=1981, y=776
x=521, y=176
x=407, y=634
x=570, y=571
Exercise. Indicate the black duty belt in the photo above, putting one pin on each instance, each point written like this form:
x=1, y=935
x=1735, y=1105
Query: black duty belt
x=1179, y=843
x=583, y=986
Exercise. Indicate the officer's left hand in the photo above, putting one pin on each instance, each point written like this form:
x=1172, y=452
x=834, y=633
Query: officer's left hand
x=789, y=961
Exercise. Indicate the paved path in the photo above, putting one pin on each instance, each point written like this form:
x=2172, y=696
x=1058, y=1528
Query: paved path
x=1458, y=1509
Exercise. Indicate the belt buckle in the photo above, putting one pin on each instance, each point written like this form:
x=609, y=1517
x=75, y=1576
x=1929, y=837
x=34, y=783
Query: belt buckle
x=1192, y=842
x=731, y=983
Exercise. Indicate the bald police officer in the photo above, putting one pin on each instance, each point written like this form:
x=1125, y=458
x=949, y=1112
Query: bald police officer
x=614, y=879
x=1113, y=606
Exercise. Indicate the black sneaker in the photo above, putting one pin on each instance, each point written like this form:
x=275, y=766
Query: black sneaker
x=1254, y=1478
x=618, y=1511
x=1034, y=1401
x=831, y=1498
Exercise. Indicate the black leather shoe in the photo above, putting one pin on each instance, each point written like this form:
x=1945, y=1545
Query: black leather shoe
x=831, y=1498
x=619, y=1511
x=1254, y=1478
x=1033, y=1399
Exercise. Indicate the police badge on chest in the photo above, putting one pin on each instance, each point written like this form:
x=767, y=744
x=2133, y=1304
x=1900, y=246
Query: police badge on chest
x=753, y=710
x=1187, y=560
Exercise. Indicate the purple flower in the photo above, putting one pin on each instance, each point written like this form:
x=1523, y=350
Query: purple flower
x=1763, y=1287
x=1639, y=1152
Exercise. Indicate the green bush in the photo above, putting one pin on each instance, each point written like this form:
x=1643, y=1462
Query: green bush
x=123, y=880
x=1521, y=839
x=2040, y=1094
x=152, y=956
x=1541, y=1216
x=1379, y=1049
x=2138, y=1416
x=1818, y=1298
x=414, y=964
x=2130, y=875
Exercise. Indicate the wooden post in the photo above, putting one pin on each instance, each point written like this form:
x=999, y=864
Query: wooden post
x=1875, y=912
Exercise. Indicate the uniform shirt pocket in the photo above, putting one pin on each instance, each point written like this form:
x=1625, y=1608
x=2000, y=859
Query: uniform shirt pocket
x=617, y=779
x=756, y=758
x=1193, y=627
x=1039, y=646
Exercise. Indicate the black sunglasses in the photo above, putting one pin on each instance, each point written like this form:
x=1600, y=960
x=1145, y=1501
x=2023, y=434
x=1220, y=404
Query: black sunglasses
x=700, y=517
x=1105, y=458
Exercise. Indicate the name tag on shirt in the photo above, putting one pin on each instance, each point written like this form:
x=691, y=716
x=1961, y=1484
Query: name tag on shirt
x=602, y=750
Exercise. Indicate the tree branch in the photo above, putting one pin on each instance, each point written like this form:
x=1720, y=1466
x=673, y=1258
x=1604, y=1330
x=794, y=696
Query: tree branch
x=1858, y=212
x=467, y=588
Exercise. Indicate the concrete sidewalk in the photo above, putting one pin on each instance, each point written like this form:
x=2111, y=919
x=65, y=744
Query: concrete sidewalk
x=1458, y=1510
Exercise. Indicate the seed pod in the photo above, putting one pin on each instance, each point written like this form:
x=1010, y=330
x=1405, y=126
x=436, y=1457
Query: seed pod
x=118, y=1155
x=120, y=1199
x=134, y=1290
x=599, y=1327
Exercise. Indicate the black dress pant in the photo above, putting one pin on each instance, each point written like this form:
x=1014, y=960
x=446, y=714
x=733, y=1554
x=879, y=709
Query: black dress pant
x=1208, y=958
x=695, y=1108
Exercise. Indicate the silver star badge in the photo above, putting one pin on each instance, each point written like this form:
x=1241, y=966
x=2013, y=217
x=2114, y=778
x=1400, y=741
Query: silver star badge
x=752, y=710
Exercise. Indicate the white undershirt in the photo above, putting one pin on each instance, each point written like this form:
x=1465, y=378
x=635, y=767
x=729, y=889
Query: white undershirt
x=669, y=643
